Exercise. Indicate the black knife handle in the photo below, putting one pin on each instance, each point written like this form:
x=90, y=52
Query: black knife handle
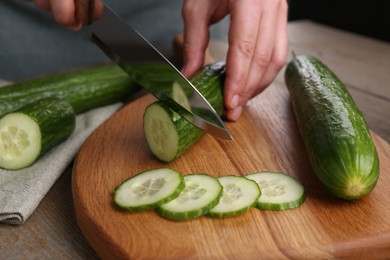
x=84, y=11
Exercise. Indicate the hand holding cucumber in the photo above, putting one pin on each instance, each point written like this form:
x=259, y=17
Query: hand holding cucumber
x=257, y=44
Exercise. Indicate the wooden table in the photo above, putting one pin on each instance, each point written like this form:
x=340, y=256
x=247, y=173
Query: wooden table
x=362, y=63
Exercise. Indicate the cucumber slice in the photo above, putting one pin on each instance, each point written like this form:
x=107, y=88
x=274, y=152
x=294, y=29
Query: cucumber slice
x=239, y=195
x=148, y=189
x=201, y=193
x=279, y=191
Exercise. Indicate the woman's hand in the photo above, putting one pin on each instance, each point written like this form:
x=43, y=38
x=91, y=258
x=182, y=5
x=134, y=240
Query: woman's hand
x=257, y=44
x=64, y=11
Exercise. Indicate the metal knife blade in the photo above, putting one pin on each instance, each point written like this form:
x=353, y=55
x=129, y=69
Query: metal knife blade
x=128, y=48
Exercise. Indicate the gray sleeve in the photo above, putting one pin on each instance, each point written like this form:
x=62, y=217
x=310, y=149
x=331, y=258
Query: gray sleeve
x=33, y=44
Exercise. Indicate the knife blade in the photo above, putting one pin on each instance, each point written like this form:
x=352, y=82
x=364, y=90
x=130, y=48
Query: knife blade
x=128, y=48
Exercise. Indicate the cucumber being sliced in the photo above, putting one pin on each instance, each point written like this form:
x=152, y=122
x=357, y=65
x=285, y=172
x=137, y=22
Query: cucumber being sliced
x=148, y=189
x=179, y=95
x=28, y=133
x=168, y=134
x=201, y=193
x=279, y=191
x=239, y=195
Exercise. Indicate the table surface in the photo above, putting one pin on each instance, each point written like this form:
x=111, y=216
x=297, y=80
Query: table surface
x=362, y=63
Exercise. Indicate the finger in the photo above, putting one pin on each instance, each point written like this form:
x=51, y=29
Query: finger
x=64, y=12
x=98, y=11
x=279, y=54
x=196, y=36
x=43, y=4
x=88, y=11
x=264, y=48
x=242, y=40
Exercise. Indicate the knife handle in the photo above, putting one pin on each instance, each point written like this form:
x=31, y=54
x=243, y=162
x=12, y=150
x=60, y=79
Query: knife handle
x=84, y=11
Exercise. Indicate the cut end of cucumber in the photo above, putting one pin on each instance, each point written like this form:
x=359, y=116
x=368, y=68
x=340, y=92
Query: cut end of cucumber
x=20, y=141
x=239, y=195
x=279, y=191
x=160, y=133
x=149, y=189
x=180, y=96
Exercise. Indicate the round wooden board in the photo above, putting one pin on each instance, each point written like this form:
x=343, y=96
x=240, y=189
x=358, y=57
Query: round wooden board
x=266, y=139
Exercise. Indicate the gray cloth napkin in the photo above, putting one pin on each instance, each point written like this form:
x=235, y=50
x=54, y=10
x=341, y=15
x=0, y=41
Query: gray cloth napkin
x=21, y=191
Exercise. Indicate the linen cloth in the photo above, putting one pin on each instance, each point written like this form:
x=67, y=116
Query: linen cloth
x=21, y=191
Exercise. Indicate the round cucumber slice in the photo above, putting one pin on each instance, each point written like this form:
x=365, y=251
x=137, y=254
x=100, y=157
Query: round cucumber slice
x=239, y=195
x=201, y=193
x=279, y=191
x=20, y=141
x=149, y=189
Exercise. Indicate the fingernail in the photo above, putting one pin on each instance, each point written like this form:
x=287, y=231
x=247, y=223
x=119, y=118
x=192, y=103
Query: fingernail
x=75, y=27
x=236, y=113
x=234, y=102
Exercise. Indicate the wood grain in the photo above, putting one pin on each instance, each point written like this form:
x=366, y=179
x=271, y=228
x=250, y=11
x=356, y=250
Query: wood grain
x=266, y=139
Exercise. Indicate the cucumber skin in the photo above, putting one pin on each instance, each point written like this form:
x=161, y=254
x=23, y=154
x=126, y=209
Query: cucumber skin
x=284, y=206
x=56, y=120
x=180, y=216
x=83, y=89
x=334, y=131
x=209, y=81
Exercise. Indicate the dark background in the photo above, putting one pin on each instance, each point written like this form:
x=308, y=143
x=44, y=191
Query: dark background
x=33, y=44
x=370, y=17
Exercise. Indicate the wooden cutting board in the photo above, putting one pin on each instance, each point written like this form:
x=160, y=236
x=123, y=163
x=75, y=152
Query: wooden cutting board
x=266, y=138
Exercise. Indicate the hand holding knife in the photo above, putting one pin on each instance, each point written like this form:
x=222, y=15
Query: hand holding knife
x=127, y=48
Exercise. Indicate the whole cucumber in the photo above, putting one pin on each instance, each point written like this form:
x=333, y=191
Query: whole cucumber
x=334, y=131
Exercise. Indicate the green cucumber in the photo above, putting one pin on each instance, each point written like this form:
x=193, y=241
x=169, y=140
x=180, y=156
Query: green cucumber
x=201, y=193
x=168, y=134
x=279, y=191
x=148, y=189
x=83, y=89
x=335, y=134
x=28, y=133
x=179, y=95
x=240, y=194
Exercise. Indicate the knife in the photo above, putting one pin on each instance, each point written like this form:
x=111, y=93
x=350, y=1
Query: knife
x=128, y=48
